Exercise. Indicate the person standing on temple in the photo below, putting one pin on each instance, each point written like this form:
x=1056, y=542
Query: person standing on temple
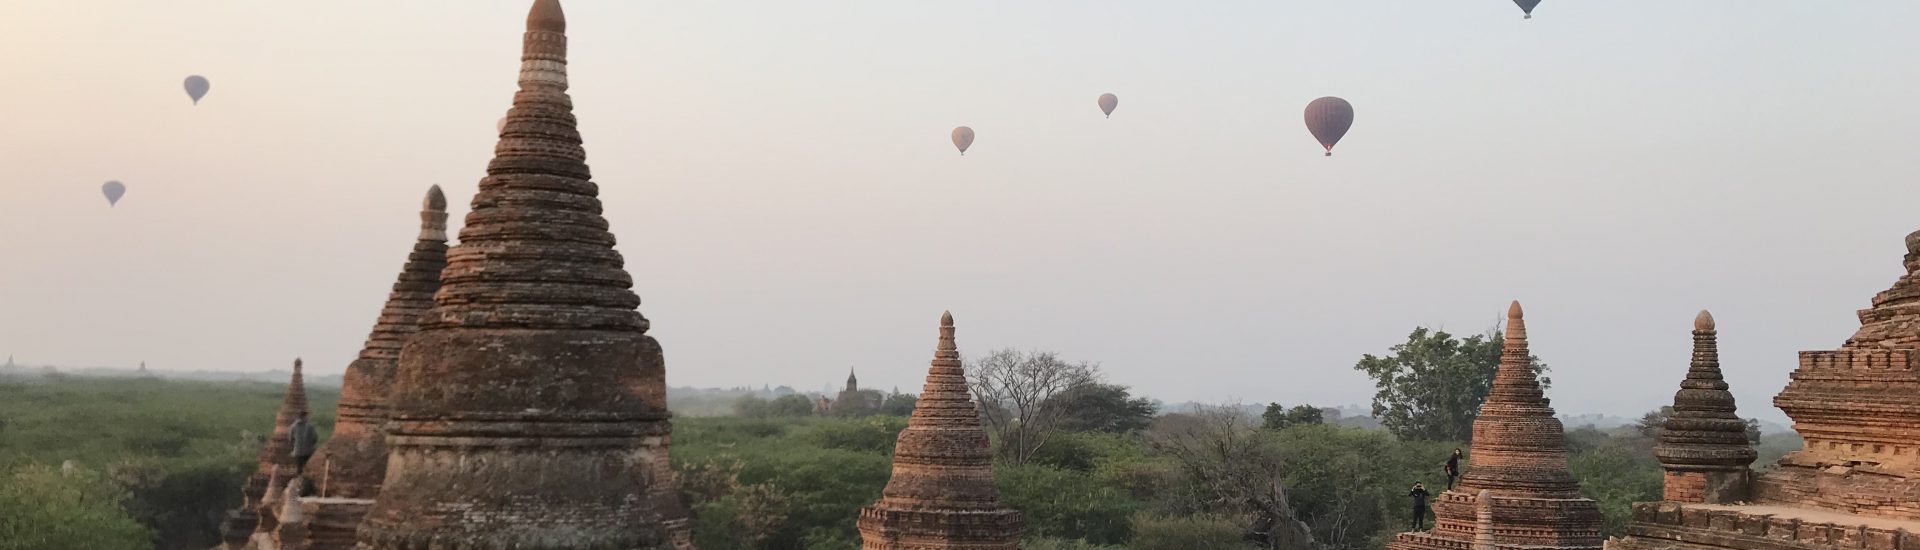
x=304, y=440
x=1419, y=495
x=1453, y=468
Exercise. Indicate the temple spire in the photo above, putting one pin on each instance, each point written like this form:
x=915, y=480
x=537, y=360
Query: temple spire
x=533, y=372
x=1703, y=444
x=353, y=462
x=941, y=494
x=275, y=460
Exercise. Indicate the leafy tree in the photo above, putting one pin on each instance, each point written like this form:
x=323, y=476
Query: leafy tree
x=1096, y=407
x=1430, y=388
x=1651, y=423
x=1065, y=504
x=899, y=404
x=790, y=406
x=1157, y=532
x=1279, y=417
x=45, y=508
x=1753, y=431
x=1018, y=393
x=859, y=403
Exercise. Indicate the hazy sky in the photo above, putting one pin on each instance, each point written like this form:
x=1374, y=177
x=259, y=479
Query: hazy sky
x=781, y=180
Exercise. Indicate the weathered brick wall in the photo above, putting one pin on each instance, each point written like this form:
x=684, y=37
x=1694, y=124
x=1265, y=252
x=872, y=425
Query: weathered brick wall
x=1674, y=526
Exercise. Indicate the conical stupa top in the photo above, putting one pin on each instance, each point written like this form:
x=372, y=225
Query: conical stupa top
x=535, y=251
x=292, y=405
x=354, y=459
x=1705, y=431
x=942, y=459
x=1519, y=445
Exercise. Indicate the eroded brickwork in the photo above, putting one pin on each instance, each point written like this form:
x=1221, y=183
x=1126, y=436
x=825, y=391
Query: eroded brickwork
x=1703, y=446
x=529, y=411
x=1856, y=482
x=274, y=466
x=941, y=495
x=1519, y=460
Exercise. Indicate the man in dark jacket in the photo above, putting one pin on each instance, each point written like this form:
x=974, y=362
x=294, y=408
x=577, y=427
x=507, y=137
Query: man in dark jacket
x=304, y=440
x=1419, y=495
x=1453, y=468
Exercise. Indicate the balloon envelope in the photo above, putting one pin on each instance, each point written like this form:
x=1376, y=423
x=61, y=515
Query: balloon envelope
x=113, y=190
x=1527, y=6
x=1108, y=102
x=197, y=87
x=963, y=138
x=1329, y=118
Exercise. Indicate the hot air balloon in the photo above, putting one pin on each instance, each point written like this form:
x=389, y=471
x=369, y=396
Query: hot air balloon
x=113, y=190
x=1329, y=118
x=1108, y=102
x=197, y=87
x=963, y=138
x=1527, y=6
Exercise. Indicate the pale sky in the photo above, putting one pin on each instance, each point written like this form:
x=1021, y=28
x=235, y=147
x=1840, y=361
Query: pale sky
x=780, y=176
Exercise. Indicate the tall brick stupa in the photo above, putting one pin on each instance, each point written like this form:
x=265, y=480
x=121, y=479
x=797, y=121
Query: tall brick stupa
x=275, y=465
x=941, y=495
x=530, y=409
x=1519, y=460
x=1703, y=445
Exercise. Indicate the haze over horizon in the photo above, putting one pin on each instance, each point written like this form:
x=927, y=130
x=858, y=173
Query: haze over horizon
x=788, y=202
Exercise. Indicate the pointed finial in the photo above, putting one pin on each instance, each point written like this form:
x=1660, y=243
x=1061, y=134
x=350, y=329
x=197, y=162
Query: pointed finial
x=1703, y=321
x=547, y=16
x=1513, y=311
x=946, y=318
x=296, y=366
x=436, y=200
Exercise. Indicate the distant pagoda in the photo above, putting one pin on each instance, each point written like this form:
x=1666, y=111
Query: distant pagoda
x=530, y=409
x=1519, y=461
x=941, y=495
x=275, y=464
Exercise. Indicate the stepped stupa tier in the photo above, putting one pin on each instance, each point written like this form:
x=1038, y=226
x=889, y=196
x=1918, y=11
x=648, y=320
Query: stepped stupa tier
x=274, y=466
x=941, y=495
x=1519, y=460
x=530, y=409
x=353, y=460
x=1703, y=445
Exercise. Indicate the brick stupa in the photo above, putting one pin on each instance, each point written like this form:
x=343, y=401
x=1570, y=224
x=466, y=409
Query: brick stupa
x=530, y=410
x=941, y=495
x=1703, y=445
x=1519, y=459
x=1855, y=484
x=344, y=474
x=275, y=465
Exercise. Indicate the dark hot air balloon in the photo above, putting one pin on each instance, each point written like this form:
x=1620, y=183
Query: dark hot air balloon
x=1108, y=102
x=197, y=87
x=963, y=138
x=1329, y=118
x=1527, y=6
x=113, y=190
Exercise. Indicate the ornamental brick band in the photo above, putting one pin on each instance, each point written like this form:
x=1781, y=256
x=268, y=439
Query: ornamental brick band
x=529, y=411
x=941, y=495
x=1519, y=462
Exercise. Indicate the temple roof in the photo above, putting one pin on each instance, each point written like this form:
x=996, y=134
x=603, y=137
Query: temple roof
x=1704, y=431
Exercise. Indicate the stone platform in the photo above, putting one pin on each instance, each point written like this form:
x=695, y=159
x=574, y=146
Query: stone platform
x=1674, y=526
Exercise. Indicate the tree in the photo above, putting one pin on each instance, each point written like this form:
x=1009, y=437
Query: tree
x=1232, y=469
x=1018, y=394
x=1753, y=431
x=859, y=403
x=899, y=404
x=1651, y=423
x=1430, y=388
x=791, y=405
x=43, y=508
x=1279, y=417
x=1108, y=408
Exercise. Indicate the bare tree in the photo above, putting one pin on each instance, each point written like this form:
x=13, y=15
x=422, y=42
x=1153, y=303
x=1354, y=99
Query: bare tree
x=1221, y=452
x=1017, y=393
